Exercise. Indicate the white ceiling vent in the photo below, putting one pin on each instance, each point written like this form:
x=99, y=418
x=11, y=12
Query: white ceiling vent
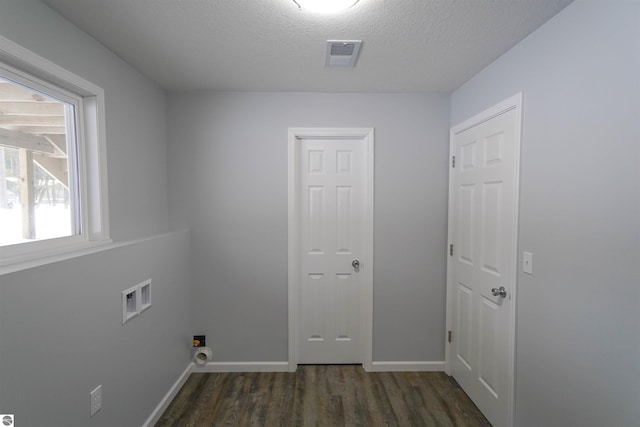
x=342, y=53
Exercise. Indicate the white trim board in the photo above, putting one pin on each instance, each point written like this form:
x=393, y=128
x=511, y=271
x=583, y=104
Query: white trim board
x=367, y=136
x=243, y=367
x=417, y=366
x=168, y=398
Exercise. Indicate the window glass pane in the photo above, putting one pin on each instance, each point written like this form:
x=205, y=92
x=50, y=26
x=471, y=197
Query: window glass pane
x=38, y=179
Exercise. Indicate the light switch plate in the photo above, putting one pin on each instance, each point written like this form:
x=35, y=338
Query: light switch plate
x=527, y=262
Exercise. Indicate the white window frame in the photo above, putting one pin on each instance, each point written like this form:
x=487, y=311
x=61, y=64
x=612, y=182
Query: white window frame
x=92, y=168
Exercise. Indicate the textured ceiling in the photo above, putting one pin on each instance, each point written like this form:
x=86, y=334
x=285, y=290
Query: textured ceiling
x=271, y=45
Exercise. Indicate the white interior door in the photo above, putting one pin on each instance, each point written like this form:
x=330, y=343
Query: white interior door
x=482, y=267
x=333, y=255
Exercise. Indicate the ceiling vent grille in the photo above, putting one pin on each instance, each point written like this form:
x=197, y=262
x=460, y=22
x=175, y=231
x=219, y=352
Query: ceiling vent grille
x=342, y=53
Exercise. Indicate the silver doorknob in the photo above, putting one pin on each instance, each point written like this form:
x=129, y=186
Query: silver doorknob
x=355, y=264
x=499, y=292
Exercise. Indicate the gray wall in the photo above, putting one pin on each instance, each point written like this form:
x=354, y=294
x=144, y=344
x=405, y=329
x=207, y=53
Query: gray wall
x=578, y=344
x=61, y=331
x=229, y=185
x=61, y=335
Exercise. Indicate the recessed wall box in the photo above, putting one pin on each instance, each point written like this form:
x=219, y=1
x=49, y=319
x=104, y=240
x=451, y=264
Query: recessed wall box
x=130, y=304
x=145, y=295
x=135, y=300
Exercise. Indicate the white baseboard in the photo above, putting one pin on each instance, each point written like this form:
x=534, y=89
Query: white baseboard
x=243, y=367
x=408, y=366
x=168, y=398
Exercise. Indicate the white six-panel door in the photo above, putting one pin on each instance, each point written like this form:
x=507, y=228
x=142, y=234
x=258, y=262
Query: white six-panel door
x=483, y=232
x=331, y=204
x=333, y=263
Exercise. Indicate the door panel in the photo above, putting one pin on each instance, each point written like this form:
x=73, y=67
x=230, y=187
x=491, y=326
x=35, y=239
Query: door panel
x=316, y=215
x=464, y=325
x=483, y=231
x=311, y=297
x=491, y=227
x=466, y=223
x=489, y=328
x=344, y=225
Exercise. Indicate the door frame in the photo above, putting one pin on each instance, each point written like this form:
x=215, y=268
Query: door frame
x=512, y=103
x=366, y=136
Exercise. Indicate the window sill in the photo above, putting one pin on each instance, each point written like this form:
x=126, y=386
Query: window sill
x=13, y=265
x=36, y=259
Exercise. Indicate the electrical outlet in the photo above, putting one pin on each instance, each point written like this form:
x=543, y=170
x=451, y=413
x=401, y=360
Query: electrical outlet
x=96, y=400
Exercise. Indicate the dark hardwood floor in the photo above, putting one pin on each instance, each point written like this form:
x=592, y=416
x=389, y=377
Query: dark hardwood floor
x=322, y=395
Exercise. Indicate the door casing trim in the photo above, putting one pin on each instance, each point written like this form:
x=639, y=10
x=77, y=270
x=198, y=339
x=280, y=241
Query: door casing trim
x=512, y=103
x=367, y=137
